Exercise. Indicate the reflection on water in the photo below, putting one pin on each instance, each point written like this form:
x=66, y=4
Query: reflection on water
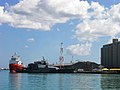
x=37, y=81
x=85, y=82
x=15, y=81
x=62, y=81
x=54, y=81
x=110, y=81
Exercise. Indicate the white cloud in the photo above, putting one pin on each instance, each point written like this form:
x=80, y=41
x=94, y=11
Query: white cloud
x=80, y=49
x=101, y=22
x=4, y=16
x=97, y=10
x=114, y=14
x=91, y=30
x=43, y=14
x=26, y=46
x=1, y=10
x=106, y=22
x=31, y=40
x=96, y=20
x=58, y=29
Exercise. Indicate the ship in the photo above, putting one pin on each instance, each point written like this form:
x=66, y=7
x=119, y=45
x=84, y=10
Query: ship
x=42, y=66
x=15, y=64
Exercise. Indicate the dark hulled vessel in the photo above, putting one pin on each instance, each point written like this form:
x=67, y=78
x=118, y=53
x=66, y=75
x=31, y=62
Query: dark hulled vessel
x=42, y=66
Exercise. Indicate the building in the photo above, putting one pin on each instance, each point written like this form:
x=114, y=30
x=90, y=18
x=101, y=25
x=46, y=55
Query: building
x=110, y=55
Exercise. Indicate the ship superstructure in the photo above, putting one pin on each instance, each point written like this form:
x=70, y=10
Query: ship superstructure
x=40, y=66
x=15, y=64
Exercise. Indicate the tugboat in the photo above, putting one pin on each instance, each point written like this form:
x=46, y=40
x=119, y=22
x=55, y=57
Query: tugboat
x=41, y=66
x=15, y=64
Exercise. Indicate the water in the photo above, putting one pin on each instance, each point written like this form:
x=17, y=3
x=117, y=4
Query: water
x=24, y=81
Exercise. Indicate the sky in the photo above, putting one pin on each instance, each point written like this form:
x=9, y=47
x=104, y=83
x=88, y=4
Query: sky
x=35, y=28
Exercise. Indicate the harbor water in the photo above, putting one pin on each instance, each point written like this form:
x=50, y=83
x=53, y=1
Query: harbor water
x=49, y=81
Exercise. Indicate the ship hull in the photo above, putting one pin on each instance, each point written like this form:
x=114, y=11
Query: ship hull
x=14, y=68
x=49, y=70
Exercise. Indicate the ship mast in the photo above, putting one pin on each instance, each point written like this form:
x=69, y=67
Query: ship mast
x=61, y=58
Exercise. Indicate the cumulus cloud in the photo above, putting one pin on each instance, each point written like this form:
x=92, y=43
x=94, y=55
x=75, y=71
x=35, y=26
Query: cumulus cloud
x=101, y=22
x=4, y=16
x=95, y=20
x=31, y=40
x=91, y=30
x=104, y=23
x=80, y=49
x=43, y=14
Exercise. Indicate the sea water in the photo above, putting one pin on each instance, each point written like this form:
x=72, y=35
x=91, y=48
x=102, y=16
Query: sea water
x=48, y=81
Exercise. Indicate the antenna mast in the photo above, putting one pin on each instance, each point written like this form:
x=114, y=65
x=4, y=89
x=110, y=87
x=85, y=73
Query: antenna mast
x=61, y=58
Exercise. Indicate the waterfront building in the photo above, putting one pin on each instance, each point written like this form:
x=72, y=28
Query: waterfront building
x=110, y=55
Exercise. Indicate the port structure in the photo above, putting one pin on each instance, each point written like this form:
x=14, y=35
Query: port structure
x=61, y=58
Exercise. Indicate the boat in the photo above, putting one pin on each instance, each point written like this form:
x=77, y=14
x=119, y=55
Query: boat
x=15, y=64
x=42, y=66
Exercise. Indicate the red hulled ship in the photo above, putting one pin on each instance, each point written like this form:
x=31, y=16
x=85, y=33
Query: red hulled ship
x=15, y=64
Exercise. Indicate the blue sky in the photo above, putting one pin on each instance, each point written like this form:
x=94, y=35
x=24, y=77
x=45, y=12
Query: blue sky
x=35, y=28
